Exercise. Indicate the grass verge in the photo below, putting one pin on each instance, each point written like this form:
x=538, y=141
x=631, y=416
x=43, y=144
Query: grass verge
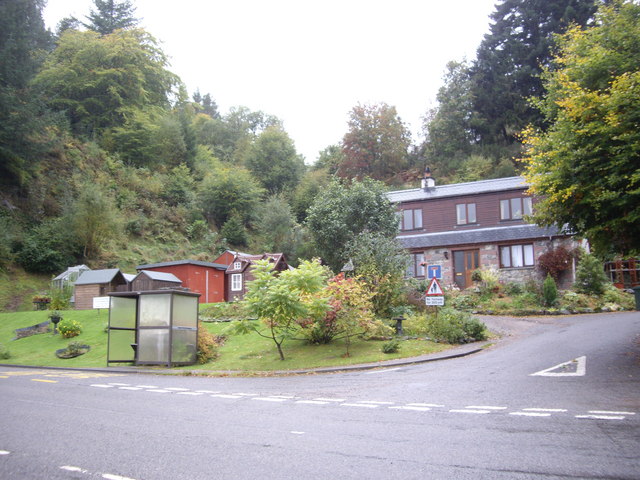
x=242, y=352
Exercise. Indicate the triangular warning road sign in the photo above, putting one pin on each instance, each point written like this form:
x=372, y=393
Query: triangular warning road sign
x=434, y=288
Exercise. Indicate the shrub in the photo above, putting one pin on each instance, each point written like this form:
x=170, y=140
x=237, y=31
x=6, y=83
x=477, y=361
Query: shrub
x=549, y=291
x=555, y=261
x=69, y=328
x=590, y=276
x=392, y=346
x=464, y=302
x=513, y=288
x=207, y=346
x=4, y=352
x=451, y=326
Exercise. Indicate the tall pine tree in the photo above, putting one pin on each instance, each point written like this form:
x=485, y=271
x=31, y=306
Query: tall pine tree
x=111, y=15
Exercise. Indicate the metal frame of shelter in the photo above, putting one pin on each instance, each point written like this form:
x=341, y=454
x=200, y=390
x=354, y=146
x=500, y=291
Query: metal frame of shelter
x=158, y=327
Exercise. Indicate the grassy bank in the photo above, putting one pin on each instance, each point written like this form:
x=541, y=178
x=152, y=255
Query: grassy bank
x=239, y=352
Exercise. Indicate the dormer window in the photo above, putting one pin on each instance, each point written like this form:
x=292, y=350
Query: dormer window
x=515, y=208
x=237, y=265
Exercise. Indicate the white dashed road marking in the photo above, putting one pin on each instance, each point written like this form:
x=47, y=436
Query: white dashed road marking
x=565, y=369
x=361, y=405
x=530, y=414
x=382, y=371
x=69, y=468
x=4, y=452
x=372, y=404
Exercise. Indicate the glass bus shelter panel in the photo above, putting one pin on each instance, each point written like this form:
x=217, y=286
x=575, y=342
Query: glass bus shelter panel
x=155, y=310
x=122, y=313
x=120, y=345
x=185, y=311
x=153, y=345
x=183, y=345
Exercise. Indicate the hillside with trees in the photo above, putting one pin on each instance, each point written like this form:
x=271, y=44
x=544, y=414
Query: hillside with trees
x=106, y=159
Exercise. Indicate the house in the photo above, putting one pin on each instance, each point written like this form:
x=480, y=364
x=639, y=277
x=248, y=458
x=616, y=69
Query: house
x=205, y=278
x=148, y=280
x=97, y=283
x=239, y=272
x=467, y=226
x=227, y=257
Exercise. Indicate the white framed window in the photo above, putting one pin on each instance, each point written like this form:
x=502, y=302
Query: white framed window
x=236, y=282
x=411, y=219
x=415, y=269
x=237, y=265
x=516, y=256
x=465, y=213
x=515, y=208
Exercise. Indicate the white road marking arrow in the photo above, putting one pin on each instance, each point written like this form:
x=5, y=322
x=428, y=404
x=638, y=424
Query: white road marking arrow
x=573, y=368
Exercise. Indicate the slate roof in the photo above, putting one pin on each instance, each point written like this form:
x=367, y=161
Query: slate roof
x=160, y=276
x=457, y=189
x=218, y=266
x=90, y=277
x=247, y=260
x=478, y=236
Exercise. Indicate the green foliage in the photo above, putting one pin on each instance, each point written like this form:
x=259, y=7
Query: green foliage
x=276, y=227
x=549, y=291
x=281, y=301
x=341, y=212
x=310, y=185
x=451, y=326
x=111, y=15
x=376, y=144
x=69, y=328
x=5, y=354
x=464, y=301
x=94, y=219
x=590, y=276
x=227, y=190
x=97, y=79
x=60, y=297
x=509, y=60
x=49, y=247
x=233, y=231
x=584, y=165
x=273, y=160
x=392, y=346
x=350, y=313
x=224, y=311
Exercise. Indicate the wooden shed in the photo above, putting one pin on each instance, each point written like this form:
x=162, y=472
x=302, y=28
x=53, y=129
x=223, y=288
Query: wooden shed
x=97, y=283
x=151, y=280
x=205, y=278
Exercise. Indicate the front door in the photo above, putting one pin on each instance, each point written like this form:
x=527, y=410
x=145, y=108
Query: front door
x=464, y=263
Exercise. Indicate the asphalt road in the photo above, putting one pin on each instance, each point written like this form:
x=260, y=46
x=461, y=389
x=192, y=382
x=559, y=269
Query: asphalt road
x=479, y=417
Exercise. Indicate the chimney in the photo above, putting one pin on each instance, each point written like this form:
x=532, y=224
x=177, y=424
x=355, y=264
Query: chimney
x=427, y=180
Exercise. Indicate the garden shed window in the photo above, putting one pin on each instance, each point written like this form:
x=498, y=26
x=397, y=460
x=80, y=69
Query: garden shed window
x=236, y=282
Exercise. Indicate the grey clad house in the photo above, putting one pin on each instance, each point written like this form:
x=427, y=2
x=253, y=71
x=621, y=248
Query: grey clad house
x=467, y=226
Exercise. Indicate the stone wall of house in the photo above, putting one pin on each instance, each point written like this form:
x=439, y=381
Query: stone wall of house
x=490, y=259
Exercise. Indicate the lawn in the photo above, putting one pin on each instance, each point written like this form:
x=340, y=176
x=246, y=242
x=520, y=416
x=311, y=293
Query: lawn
x=239, y=352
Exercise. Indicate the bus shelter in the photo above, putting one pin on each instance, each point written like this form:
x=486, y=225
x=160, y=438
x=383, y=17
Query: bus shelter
x=158, y=327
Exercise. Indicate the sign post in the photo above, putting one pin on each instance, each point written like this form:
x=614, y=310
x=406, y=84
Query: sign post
x=434, y=296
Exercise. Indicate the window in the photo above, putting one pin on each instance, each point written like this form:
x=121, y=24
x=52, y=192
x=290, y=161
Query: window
x=515, y=208
x=514, y=256
x=466, y=213
x=411, y=219
x=236, y=282
x=414, y=269
x=237, y=265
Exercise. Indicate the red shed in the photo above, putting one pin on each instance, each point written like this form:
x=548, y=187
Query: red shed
x=205, y=278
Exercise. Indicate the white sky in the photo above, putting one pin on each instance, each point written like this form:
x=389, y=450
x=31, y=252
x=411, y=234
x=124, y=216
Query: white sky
x=309, y=63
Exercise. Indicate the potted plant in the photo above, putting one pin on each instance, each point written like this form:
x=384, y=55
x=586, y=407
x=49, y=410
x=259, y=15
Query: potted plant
x=55, y=318
x=40, y=302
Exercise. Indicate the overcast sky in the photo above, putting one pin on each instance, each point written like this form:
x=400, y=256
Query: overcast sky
x=309, y=63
